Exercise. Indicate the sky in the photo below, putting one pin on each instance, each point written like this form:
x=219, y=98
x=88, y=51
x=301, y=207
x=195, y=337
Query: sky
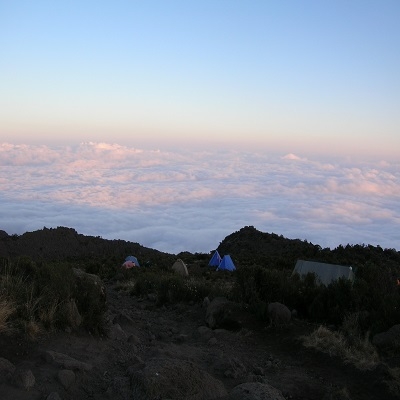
x=175, y=123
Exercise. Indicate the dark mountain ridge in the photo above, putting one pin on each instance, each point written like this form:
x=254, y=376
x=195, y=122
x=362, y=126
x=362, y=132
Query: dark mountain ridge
x=248, y=246
x=61, y=243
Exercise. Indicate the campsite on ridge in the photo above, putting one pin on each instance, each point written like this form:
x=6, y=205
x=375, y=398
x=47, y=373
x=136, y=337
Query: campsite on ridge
x=271, y=320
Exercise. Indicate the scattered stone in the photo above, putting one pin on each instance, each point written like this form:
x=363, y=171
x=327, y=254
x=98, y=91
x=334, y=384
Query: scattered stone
x=258, y=371
x=152, y=297
x=7, y=369
x=206, y=302
x=53, y=396
x=337, y=394
x=122, y=319
x=387, y=339
x=230, y=367
x=133, y=339
x=66, y=361
x=222, y=313
x=255, y=391
x=66, y=378
x=174, y=330
x=24, y=378
x=175, y=379
x=205, y=332
x=73, y=315
x=117, y=333
x=119, y=388
x=213, y=341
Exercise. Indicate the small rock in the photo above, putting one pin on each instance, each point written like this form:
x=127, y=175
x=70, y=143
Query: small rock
x=213, y=341
x=65, y=361
x=279, y=314
x=117, y=333
x=258, y=371
x=255, y=390
x=133, y=339
x=205, y=332
x=122, y=319
x=152, y=337
x=152, y=297
x=228, y=373
x=66, y=378
x=206, y=302
x=180, y=338
x=6, y=369
x=53, y=396
x=25, y=379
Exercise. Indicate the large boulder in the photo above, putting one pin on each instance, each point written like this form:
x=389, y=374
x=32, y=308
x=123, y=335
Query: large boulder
x=388, y=339
x=222, y=313
x=89, y=282
x=255, y=391
x=90, y=299
x=174, y=379
x=279, y=314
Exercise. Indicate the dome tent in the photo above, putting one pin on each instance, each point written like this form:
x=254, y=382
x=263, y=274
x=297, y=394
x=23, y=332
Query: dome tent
x=130, y=262
x=180, y=267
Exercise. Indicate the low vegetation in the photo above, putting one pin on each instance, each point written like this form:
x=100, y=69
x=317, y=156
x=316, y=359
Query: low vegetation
x=37, y=297
x=41, y=294
x=169, y=287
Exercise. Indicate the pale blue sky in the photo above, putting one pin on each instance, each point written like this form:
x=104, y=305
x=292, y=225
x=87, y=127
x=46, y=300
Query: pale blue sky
x=293, y=76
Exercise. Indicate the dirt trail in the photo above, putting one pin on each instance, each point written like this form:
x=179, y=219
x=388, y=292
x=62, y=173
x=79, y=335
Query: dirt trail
x=141, y=331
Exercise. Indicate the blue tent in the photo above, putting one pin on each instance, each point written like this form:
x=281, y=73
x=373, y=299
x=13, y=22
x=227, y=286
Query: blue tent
x=215, y=260
x=226, y=264
x=133, y=259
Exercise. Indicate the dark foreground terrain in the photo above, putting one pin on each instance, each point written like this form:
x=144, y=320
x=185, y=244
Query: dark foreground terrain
x=168, y=353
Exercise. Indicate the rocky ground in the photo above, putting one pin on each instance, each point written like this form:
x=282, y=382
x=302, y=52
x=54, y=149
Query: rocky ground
x=168, y=352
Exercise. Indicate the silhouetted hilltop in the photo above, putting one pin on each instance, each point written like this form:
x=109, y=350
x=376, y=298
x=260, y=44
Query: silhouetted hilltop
x=63, y=243
x=249, y=246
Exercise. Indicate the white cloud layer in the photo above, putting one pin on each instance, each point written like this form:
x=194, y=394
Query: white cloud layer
x=178, y=201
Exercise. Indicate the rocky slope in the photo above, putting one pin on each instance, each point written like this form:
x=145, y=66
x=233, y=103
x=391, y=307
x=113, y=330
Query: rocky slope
x=168, y=352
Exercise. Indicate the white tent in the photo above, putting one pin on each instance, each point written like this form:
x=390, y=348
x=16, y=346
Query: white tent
x=325, y=273
x=180, y=267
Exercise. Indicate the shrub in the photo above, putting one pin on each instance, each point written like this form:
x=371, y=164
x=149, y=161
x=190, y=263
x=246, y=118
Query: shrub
x=172, y=288
x=34, y=300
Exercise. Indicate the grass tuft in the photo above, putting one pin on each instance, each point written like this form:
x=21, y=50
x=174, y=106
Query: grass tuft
x=7, y=308
x=358, y=352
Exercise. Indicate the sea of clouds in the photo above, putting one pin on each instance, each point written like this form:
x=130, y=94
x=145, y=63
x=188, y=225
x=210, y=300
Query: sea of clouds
x=177, y=201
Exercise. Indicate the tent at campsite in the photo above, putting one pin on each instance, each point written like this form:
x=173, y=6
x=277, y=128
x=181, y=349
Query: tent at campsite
x=226, y=264
x=130, y=262
x=215, y=259
x=128, y=265
x=325, y=273
x=180, y=267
